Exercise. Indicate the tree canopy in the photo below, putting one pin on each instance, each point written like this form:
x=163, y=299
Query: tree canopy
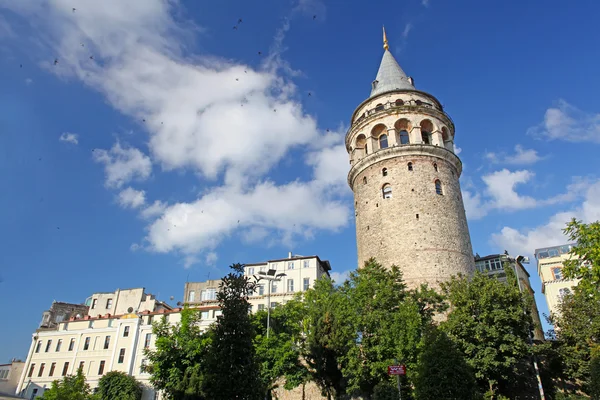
x=586, y=263
x=117, y=385
x=70, y=387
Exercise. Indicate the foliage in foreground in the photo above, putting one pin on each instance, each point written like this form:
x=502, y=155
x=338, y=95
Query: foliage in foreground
x=70, y=387
x=118, y=385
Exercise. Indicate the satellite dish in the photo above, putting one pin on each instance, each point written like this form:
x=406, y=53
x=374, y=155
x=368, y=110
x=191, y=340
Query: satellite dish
x=130, y=310
x=172, y=298
x=78, y=316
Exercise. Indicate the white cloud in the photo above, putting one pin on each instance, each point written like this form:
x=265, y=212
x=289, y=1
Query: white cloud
x=211, y=258
x=525, y=241
x=520, y=156
x=501, y=188
x=69, y=138
x=457, y=150
x=228, y=122
x=311, y=8
x=28, y=81
x=407, y=28
x=566, y=122
x=123, y=164
x=340, y=277
x=131, y=198
x=425, y=3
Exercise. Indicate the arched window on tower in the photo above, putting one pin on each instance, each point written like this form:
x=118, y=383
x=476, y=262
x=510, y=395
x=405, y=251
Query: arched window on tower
x=364, y=180
x=410, y=168
x=404, y=137
x=399, y=103
x=387, y=191
x=426, y=129
x=379, y=107
x=438, y=187
x=384, y=172
x=435, y=167
x=383, y=141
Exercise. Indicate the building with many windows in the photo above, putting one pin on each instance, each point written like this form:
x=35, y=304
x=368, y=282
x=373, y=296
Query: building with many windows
x=299, y=274
x=9, y=376
x=550, y=264
x=494, y=266
x=97, y=341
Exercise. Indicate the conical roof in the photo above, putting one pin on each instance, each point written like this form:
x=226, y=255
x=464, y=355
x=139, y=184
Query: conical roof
x=390, y=76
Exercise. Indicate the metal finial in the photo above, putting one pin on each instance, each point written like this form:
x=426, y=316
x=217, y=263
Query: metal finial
x=385, y=41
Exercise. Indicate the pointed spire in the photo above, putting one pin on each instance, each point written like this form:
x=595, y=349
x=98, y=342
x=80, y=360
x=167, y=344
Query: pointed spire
x=390, y=76
x=386, y=46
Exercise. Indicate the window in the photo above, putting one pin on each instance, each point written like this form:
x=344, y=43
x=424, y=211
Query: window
x=410, y=167
x=404, y=137
x=144, y=366
x=31, y=368
x=399, y=103
x=557, y=272
x=41, y=371
x=291, y=265
x=261, y=307
x=364, y=180
x=48, y=344
x=94, y=302
x=384, y=172
x=261, y=290
x=564, y=292
x=150, y=320
x=121, y=356
x=52, y=367
x=65, y=368
x=383, y=141
x=106, y=342
x=71, y=344
x=81, y=365
x=261, y=269
x=191, y=296
x=38, y=346
x=109, y=304
x=204, y=315
x=208, y=294
x=274, y=304
x=147, y=340
x=273, y=287
x=306, y=263
x=101, y=368
x=306, y=283
x=438, y=187
x=58, y=344
x=387, y=191
x=379, y=107
x=435, y=167
x=34, y=394
x=126, y=331
x=290, y=285
x=425, y=136
x=86, y=345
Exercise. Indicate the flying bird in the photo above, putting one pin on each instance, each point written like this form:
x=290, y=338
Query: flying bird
x=55, y=61
x=274, y=110
x=309, y=93
x=74, y=9
x=239, y=21
x=91, y=57
x=236, y=79
x=314, y=17
x=235, y=27
x=260, y=53
x=20, y=65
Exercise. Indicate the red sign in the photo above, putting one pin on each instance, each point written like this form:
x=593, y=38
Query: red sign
x=396, y=370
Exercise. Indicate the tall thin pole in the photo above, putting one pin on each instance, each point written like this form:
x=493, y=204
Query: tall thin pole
x=268, y=307
x=398, y=382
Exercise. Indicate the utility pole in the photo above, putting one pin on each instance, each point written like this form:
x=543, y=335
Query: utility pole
x=398, y=382
x=270, y=277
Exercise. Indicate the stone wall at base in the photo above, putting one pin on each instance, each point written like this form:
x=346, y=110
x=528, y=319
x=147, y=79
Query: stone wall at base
x=309, y=391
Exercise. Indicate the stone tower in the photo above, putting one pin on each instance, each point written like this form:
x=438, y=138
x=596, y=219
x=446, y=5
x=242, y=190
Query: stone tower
x=404, y=174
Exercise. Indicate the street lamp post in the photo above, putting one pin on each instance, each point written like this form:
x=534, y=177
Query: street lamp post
x=270, y=276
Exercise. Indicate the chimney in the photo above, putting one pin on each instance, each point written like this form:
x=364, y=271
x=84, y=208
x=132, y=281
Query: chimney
x=290, y=254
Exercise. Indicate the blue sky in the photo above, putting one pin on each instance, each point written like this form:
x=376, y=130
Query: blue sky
x=163, y=157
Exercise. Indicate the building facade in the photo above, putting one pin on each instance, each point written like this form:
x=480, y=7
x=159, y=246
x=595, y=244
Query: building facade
x=301, y=272
x=59, y=312
x=494, y=266
x=550, y=264
x=405, y=177
x=98, y=342
x=9, y=376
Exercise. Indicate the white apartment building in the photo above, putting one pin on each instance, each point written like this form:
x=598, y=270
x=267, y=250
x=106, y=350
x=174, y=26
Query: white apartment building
x=300, y=274
x=98, y=342
x=550, y=264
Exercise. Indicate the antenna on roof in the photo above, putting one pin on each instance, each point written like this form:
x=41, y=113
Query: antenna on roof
x=208, y=276
x=188, y=278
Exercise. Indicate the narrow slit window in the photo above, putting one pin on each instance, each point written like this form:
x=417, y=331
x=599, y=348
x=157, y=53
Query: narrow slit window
x=435, y=167
x=410, y=166
x=438, y=187
x=364, y=180
x=384, y=172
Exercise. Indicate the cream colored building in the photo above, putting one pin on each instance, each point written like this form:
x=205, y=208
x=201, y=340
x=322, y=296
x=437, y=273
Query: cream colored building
x=9, y=376
x=405, y=174
x=98, y=343
x=301, y=272
x=550, y=264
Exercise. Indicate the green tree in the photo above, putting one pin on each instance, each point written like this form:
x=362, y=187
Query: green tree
x=71, y=387
x=117, y=385
x=279, y=354
x=489, y=322
x=595, y=374
x=586, y=263
x=384, y=324
x=443, y=373
x=180, y=351
x=577, y=324
x=232, y=370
